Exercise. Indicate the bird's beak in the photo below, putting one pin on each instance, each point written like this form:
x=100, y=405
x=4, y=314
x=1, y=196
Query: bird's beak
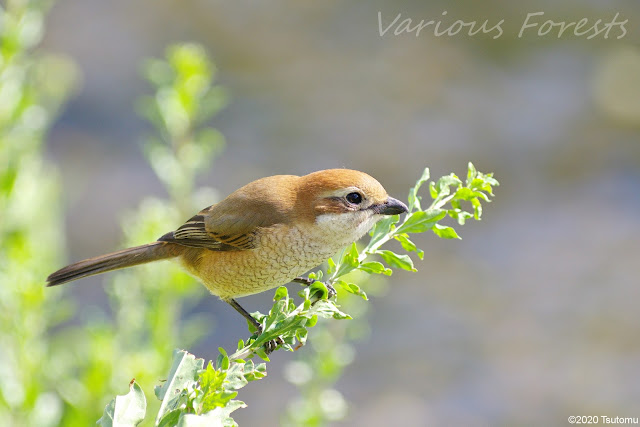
x=391, y=207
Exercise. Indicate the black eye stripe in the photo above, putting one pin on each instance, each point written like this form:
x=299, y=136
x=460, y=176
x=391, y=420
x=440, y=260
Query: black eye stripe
x=355, y=198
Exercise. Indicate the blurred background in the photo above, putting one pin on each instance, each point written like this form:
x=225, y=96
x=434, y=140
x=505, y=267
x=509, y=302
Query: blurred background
x=532, y=317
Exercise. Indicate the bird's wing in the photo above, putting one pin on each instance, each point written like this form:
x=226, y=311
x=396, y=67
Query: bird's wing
x=231, y=225
x=194, y=233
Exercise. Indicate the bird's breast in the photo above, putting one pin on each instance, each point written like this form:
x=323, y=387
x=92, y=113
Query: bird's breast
x=282, y=253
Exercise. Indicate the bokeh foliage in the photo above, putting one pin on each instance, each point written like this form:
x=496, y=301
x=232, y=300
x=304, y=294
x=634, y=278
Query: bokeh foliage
x=148, y=304
x=33, y=86
x=52, y=372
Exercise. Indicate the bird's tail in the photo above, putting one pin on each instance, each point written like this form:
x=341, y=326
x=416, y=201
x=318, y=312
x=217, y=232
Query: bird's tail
x=125, y=258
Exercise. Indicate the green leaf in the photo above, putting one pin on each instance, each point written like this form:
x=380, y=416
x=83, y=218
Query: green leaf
x=171, y=418
x=262, y=354
x=277, y=314
x=491, y=181
x=423, y=178
x=408, y=245
x=312, y=321
x=235, y=379
x=319, y=288
x=421, y=221
x=212, y=393
x=479, y=187
x=382, y=228
x=301, y=335
x=327, y=309
x=414, y=199
x=217, y=417
x=349, y=260
x=127, y=410
x=331, y=266
x=281, y=293
x=222, y=361
x=443, y=185
x=374, y=267
x=460, y=215
x=351, y=256
x=472, y=173
x=394, y=260
x=477, y=208
x=464, y=193
x=352, y=288
x=445, y=232
x=253, y=372
x=184, y=370
x=433, y=192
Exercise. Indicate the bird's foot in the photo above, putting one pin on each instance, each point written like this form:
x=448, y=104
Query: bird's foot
x=331, y=290
x=272, y=345
x=269, y=346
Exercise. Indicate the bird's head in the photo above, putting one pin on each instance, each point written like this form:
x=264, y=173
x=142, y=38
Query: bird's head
x=344, y=204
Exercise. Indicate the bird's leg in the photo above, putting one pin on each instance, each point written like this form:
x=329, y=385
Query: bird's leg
x=304, y=281
x=269, y=346
x=308, y=282
x=233, y=303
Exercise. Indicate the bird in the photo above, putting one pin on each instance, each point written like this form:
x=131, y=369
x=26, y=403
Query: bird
x=263, y=235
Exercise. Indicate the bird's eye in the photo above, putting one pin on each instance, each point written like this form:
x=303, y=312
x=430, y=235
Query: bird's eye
x=354, y=198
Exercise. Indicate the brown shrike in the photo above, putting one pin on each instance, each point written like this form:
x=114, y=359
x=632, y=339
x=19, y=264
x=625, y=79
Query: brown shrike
x=261, y=236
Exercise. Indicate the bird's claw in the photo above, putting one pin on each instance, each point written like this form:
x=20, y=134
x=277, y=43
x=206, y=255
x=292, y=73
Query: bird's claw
x=269, y=346
x=331, y=291
x=272, y=345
